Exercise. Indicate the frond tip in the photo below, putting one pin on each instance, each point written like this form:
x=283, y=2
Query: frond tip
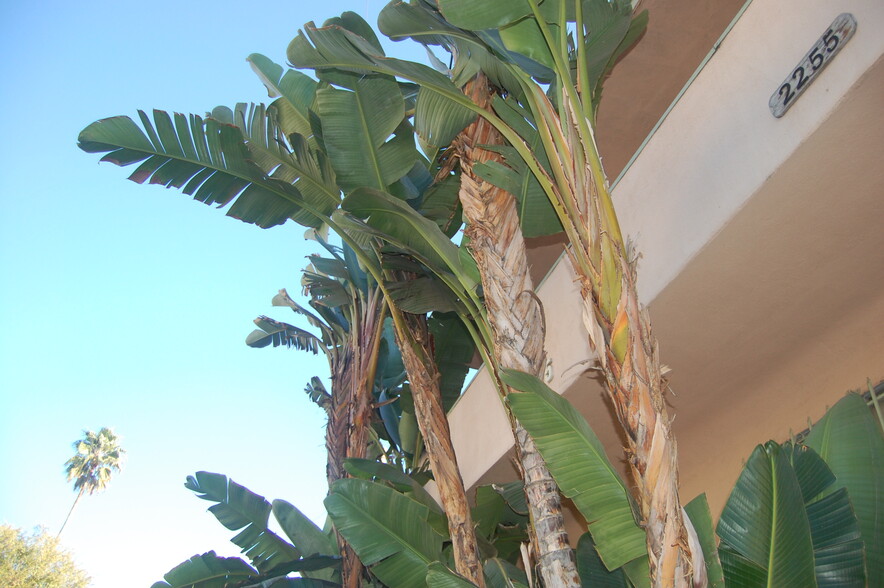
x=276, y=333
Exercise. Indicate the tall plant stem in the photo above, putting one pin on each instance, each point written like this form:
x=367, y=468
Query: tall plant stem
x=516, y=320
x=350, y=413
x=70, y=512
x=416, y=347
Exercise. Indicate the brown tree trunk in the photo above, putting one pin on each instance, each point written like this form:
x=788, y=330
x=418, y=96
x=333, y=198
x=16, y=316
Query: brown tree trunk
x=620, y=333
x=423, y=376
x=636, y=386
x=351, y=411
x=516, y=319
x=338, y=443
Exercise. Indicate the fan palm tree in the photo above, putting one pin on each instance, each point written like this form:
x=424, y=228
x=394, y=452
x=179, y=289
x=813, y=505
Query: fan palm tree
x=98, y=456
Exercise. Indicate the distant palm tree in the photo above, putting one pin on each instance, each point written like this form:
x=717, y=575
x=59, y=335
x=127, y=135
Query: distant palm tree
x=98, y=456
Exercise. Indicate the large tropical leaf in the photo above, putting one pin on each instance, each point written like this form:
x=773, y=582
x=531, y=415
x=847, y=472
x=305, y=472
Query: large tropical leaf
x=849, y=440
x=336, y=48
x=838, y=549
x=210, y=160
x=606, y=24
x=422, y=295
x=388, y=530
x=369, y=469
x=276, y=333
x=764, y=528
x=399, y=224
x=491, y=511
x=240, y=509
x=207, y=571
x=478, y=16
x=309, y=540
x=578, y=463
x=514, y=495
x=454, y=350
x=303, y=533
x=296, y=90
x=701, y=519
x=591, y=569
x=329, y=330
x=438, y=120
x=500, y=573
x=636, y=29
x=480, y=51
x=357, y=125
x=439, y=576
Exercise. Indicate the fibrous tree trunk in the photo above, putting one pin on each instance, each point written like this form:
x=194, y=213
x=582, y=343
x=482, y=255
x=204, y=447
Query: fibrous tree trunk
x=415, y=344
x=515, y=315
x=620, y=333
x=636, y=385
x=351, y=411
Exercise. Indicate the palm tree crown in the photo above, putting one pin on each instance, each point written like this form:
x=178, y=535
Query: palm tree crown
x=98, y=456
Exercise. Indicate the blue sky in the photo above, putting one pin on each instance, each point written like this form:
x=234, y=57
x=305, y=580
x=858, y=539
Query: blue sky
x=127, y=306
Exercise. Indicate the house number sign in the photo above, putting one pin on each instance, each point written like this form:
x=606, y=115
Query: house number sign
x=807, y=70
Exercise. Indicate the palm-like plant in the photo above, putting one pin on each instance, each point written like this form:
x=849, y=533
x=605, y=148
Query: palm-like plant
x=98, y=456
x=274, y=176
x=559, y=123
x=276, y=164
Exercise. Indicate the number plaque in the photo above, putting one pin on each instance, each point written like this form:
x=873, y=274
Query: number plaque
x=807, y=70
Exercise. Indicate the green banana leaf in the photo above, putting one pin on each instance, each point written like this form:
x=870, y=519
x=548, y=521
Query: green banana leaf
x=294, y=583
x=207, y=571
x=439, y=576
x=336, y=48
x=296, y=90
x=388, y=530
x=514, y=495
x=368, y=469
x=357, y=126
x=492, y=510
x=701, y=518
x=438, y=120
x=580, y=467
x=306, y=537
x=637, y=28
x=500, y=573
x=240, y=509
x=211, y=161
x=607, y=23
x=591, y=569
x=422, y=295
x=850, y=441
x=453, y=350
x=440, y=203
x=478, y=16
x=398, y=223
x=764, y=529
x=276, y=333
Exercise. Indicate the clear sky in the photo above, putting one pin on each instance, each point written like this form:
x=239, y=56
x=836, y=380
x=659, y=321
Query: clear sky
x=127, y=306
